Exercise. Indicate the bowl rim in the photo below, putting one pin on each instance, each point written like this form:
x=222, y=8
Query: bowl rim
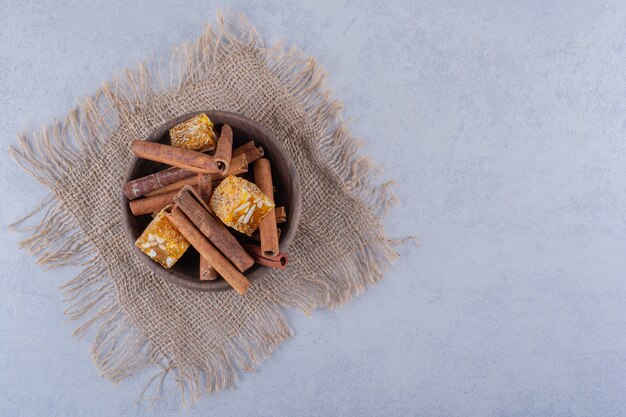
x=179, y=278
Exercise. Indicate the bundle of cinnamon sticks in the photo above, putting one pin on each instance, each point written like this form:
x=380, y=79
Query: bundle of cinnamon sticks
x=184, y=193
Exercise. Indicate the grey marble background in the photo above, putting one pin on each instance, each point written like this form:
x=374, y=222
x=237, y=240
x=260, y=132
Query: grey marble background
x=503, y=123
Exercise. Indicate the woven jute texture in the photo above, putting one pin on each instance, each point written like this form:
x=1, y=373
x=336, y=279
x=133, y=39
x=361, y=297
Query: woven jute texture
x=137, y=320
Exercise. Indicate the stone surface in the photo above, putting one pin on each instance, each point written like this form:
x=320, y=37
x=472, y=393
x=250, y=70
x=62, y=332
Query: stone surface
x=504, y=126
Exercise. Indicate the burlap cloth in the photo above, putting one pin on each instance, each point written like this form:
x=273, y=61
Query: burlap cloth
x=137, y=320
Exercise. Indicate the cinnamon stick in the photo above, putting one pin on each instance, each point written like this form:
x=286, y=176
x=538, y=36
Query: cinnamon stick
x=207, y=250
x=281, y=215
x=238, y=166
x=149, y=183
x=257, y=235
x=178, y=157
x=177, y=186
x=263, y=179
x=279, y=261
x=207, y=272
x=151, y=204
x=198, y=212
x=176, y=178
x=205, y=187
x=246, y=147
x=224, y=149
x=251, y=151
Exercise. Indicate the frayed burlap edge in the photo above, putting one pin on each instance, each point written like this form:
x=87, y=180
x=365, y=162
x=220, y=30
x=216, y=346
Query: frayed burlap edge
x=118, y=349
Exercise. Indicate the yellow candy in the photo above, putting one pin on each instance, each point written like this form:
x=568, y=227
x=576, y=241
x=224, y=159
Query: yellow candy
x=240, y=204
x=196, y=134
x=162, y=241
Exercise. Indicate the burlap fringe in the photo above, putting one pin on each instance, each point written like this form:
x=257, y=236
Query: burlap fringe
x=118, y=350
x=336, y=284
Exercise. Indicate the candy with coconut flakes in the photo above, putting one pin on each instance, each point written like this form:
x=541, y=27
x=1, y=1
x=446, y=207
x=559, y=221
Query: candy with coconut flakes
x=162, y=242
x=240, y=204
x=196, y=134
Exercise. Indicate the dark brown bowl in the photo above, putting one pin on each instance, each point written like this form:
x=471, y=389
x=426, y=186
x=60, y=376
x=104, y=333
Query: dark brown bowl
x=286, y=181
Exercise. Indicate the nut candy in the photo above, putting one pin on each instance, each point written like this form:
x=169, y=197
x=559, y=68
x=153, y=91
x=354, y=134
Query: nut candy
x=196, y=134
x=240, y=204
x=162, y=241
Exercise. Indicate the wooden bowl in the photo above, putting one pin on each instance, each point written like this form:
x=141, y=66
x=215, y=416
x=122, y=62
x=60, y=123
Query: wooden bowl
x=286, y=181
